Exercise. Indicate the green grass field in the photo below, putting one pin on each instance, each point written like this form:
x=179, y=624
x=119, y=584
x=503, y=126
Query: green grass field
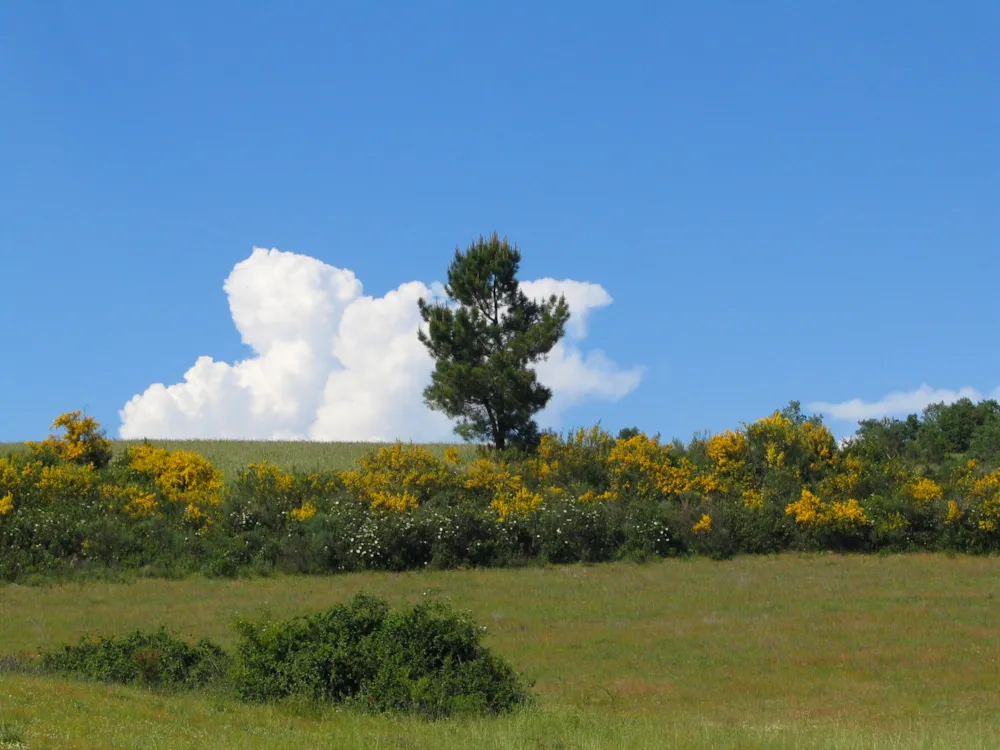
x=791, y=651
x=232, y=455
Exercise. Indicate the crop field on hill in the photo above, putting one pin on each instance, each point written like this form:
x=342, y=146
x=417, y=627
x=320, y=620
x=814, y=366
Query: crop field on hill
x=770, y=651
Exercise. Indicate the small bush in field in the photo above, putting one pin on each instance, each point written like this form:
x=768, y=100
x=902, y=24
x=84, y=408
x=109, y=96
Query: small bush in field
x=428, y=660
x=147, y=658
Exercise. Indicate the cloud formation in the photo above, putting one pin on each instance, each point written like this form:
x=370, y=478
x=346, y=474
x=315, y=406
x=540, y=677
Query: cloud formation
x=332, y=364
x=897, y=403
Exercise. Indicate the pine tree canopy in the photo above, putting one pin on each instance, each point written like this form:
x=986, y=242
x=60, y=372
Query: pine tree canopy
x=484, y=339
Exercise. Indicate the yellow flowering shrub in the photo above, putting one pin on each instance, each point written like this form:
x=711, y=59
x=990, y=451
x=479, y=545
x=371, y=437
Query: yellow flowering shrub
x=505, y=491
x=182, y=477
x=398, y=477
x=954, y=513
x=982, y=496
x=133, y=501
x=518, y=503
x=728, y=452
x=272, y=476
x=986, y=490
x=6, y=504
x=753, y=499
x=64, y=480
x=577, y=459
x=847, y=480
x=83, y=442
x=819, y=443
x=810, y=510
x=704, y=525
x=9, y=474
x=308, y=510
x=924, y=490
x=641, y=467
x=808, y=449
x=589, y=496
x=848, y=513
x=31, y=479
x=775, y=457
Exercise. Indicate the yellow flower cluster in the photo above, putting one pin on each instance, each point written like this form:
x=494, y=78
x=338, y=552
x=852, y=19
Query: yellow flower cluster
x=6, y=504
x=640, y=466
x=807, y=509
x=308, y=510
x=775, y=457
x=507, y=493
x=133, y=501
x=819, y=443
x=182, y=477
x=273, y=476
x=51, y=481
x=589, y=496
x=704, y=525
x=517, y=504
x=810, y=510
x=924, y=490
x=563, y=461
x=81, y=443
x=848, y=513
x=728, y=451
x=983, y=496
x=847, y=480
x=398, y=477
x=727, y=448
x=60, y=480
x=753, y=499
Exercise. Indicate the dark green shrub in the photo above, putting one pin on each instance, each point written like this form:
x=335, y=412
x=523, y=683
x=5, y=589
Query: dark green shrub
x=569, y=531
x=146, y=658
x=427, y=659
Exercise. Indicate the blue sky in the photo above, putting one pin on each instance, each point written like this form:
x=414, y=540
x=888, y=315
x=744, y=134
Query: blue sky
x=785, y=200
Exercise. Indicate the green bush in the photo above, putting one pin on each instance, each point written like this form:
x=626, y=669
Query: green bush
x=428, y=659
x=146, y=658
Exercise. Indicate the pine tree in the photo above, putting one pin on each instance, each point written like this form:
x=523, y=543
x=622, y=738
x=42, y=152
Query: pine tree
x=484, y=340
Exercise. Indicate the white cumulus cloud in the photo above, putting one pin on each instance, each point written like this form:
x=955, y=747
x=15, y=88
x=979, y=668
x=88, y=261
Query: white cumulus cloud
x=330, y=363
x=897, y=403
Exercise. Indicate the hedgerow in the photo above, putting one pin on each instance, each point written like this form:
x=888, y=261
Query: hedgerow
x=780, y=483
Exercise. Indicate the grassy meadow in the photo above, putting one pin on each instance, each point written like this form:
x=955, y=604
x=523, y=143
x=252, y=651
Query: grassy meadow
x=231, y=456
x=779, y=651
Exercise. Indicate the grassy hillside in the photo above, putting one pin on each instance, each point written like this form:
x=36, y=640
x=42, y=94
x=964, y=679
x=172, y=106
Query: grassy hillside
x=787, y=651
x=232, y=455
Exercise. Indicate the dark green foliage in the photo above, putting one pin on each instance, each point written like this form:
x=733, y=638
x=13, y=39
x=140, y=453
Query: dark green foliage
x=985, y=442
x=942, y=432
x=484, y=343
x=950, y=428
x=427, y=660
x=882, y=440
x=150, y=659
x=572, y=531
x=628, y=432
